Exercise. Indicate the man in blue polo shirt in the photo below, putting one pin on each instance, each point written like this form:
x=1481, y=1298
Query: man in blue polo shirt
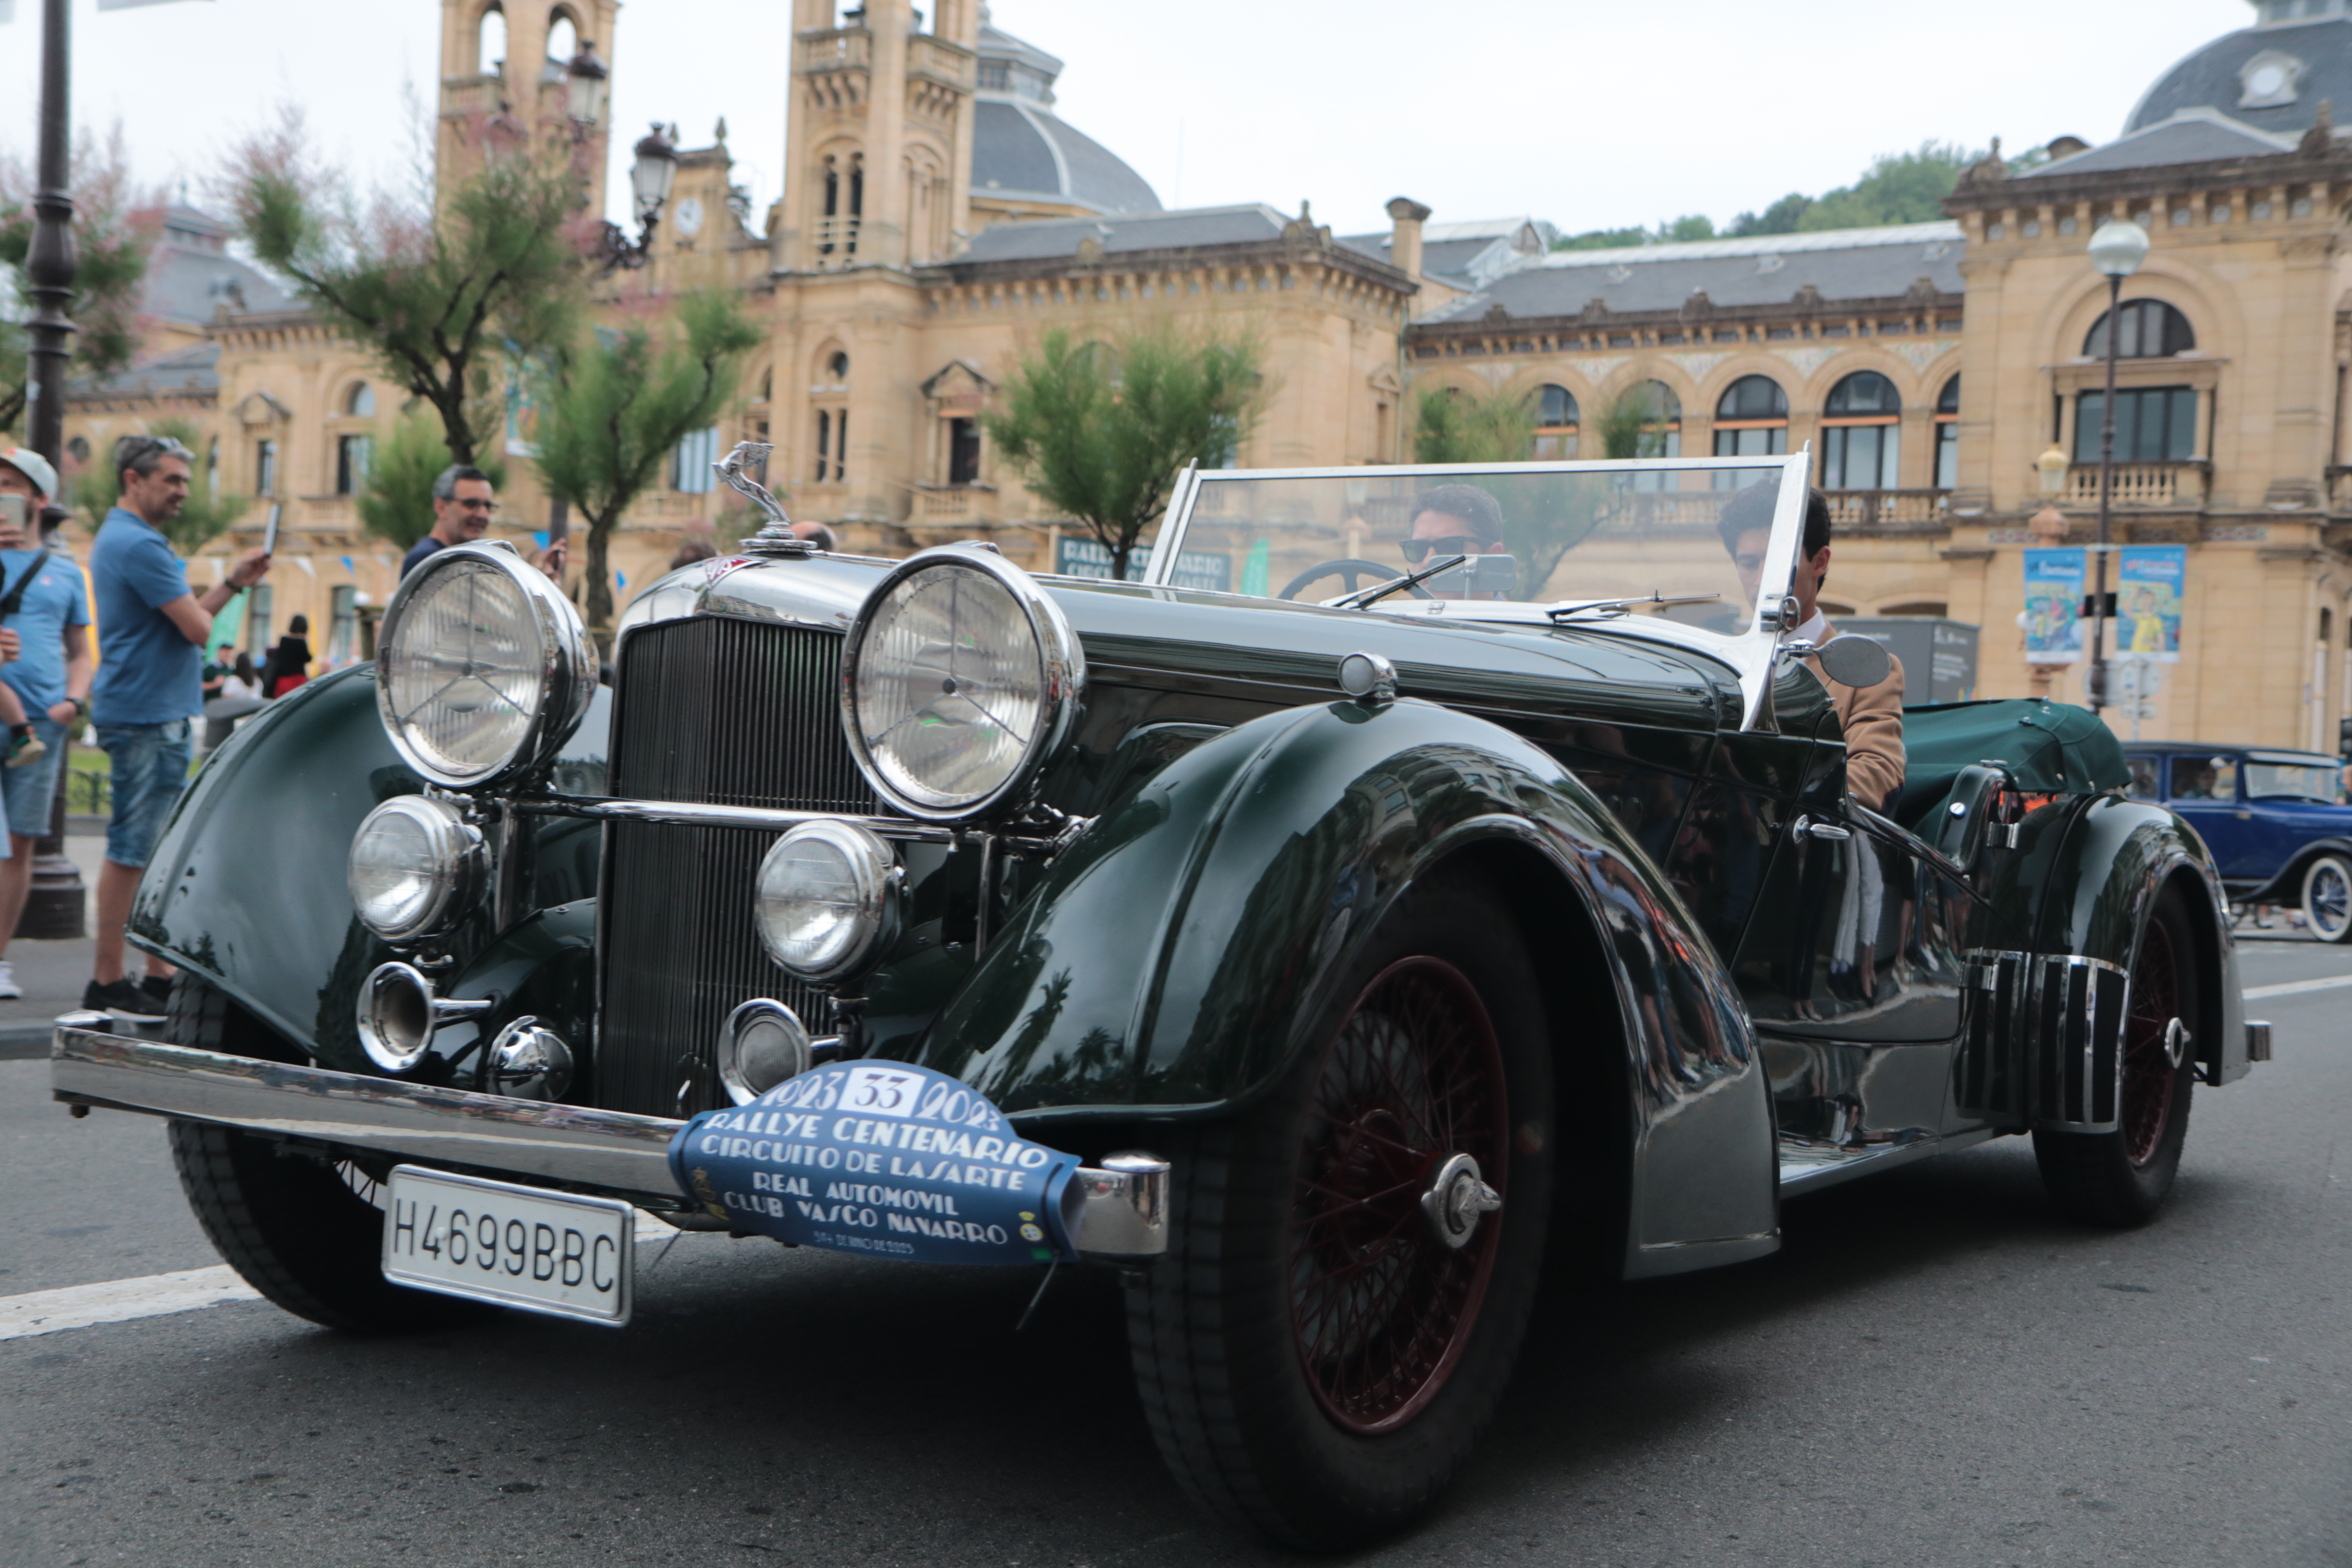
x=151, y=636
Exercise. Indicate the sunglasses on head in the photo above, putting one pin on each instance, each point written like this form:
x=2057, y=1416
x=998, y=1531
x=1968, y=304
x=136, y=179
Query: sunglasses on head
x=138, y=448
x=1420, y=550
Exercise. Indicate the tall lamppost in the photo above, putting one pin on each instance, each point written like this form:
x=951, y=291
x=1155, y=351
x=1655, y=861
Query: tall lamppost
x=2116, y=250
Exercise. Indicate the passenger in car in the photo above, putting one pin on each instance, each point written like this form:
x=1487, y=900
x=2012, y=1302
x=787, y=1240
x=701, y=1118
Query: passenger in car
x=1461, y=519
x=1871, y=716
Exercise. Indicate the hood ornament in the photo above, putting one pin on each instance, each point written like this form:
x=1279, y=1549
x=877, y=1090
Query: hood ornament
x=776, y=536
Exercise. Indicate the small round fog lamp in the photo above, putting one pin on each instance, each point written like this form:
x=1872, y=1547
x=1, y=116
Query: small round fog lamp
x=827, y=900
x=763, y=1043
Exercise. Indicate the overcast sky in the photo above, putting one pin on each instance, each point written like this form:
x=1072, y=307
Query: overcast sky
x=1592, y=113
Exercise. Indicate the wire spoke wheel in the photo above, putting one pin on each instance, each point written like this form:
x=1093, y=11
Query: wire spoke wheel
x=1381, y=1306
x=2150, y=1073
x=2327, y=899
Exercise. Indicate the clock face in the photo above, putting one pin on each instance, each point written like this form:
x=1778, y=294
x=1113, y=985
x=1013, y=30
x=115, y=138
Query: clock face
x=690, y=216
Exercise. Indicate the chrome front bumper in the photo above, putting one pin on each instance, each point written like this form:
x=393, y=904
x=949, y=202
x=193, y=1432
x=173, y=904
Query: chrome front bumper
x=1118, y=1214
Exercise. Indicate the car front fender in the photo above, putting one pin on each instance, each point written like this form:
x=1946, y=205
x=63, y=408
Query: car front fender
x=2117, y=857
x=1173, y=961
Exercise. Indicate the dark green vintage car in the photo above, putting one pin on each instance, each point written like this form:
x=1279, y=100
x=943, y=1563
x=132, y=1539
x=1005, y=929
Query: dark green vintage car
x=1421, y=871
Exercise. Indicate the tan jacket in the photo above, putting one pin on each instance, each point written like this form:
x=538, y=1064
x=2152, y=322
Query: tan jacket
x=1872, y=719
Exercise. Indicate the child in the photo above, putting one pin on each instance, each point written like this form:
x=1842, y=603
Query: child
x=23, y=746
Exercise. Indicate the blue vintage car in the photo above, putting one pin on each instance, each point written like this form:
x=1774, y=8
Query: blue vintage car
x=2275, y=822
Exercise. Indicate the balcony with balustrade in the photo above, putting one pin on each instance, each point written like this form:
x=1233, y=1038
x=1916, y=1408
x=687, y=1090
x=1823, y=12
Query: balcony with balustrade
x=2182, y=486
x=1906, y=512
x=464, y=96
x=950, y=504
x=833, y=50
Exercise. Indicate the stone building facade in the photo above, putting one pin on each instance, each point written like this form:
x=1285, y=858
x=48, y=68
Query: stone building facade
x=939, y=217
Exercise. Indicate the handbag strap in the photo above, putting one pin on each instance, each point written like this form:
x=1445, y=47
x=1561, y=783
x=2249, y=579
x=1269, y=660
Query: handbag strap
x=15, y=599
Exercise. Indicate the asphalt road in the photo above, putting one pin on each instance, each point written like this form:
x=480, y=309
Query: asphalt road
x=1932, y=1371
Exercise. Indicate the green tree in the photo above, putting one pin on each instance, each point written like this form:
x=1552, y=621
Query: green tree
x=397, y=503
x=438, y=294
x=1101, y=431
x=114, y=231
x=1630, y=425
x=1906, y=187
x=1453, y=426
x=614, y=406
x=208, y=513
x=1603, y=239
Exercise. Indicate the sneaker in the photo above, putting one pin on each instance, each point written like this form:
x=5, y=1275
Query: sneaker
x=126, y=1001
x=24, y=747
x=9, y=989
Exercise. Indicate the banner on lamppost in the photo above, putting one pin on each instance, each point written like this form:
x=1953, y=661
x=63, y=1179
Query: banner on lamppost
x=2053, y=607
x=2149, y=581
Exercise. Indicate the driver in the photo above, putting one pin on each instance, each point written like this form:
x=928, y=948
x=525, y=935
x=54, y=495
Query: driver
x=1871, y=715
x=1455, y=520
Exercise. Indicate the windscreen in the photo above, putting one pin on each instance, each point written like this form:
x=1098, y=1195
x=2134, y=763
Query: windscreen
x=2293, y=781
x=1529, y=535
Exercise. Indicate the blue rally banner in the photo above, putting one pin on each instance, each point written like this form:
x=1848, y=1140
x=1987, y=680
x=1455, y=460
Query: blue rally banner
x=883, y=1157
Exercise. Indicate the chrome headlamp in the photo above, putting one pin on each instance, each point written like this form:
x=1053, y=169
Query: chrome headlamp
x=483, y=668
x=960, y=678
x=826, y=900
x=416, y=867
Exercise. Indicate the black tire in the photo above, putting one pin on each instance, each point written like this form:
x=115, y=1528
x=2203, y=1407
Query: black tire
x=2327, y=899
x=290, y=1221
x=2121, y=1178
x=1275, y=1408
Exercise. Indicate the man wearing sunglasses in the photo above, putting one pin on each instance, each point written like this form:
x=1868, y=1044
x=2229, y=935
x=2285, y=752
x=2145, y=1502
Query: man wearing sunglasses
x=1458, y=519
x=151, y=636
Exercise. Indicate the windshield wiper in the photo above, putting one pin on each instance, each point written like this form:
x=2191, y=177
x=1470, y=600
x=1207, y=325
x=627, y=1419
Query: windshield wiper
x=1363, y=596
x=1608, y=609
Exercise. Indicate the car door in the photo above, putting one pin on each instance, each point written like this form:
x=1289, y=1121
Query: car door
x=2203, y=786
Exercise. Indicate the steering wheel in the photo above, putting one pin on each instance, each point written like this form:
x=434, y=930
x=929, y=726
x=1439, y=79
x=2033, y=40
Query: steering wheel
x=1352, y=569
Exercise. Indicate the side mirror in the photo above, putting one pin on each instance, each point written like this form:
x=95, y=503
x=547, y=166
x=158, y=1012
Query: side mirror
x=1852, y=660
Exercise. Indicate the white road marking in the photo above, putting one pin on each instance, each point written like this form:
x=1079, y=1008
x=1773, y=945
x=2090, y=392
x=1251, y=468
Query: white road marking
x=2297, y=987
x=157, y=1295
x=117, y=1300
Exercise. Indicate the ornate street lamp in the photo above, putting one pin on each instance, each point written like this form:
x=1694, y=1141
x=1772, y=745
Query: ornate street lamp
x=2116, y=250
x=650, y=179
x=2049, y=524
x=588, y=88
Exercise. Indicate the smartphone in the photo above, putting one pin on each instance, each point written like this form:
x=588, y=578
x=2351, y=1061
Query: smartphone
x=269, y=530
x=12, y=517
x=1478, y=574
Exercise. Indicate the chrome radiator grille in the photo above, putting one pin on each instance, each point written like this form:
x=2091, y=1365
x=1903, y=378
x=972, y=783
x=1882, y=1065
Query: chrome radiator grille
x=723, y=712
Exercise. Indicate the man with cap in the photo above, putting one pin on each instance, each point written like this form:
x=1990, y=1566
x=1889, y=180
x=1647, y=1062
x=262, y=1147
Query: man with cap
x=50, y=677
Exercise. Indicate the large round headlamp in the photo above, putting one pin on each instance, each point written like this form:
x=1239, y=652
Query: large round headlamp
x=960, y=679
x=483, y=668
x=827, y=899
x=416, y=867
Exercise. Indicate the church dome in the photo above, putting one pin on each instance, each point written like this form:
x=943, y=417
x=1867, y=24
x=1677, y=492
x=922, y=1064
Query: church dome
x=2270, y=75
x=1022, y=150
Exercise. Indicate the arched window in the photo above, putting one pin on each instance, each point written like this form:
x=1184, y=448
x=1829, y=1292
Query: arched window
x=2151, y=329
x=836, y=367
x=1948, y=435
x=1557, y=422
x=491, y=57
x=562, y=39
x=844, y=204
x=360, y=403
x=1751, y=420
x=1861, y=432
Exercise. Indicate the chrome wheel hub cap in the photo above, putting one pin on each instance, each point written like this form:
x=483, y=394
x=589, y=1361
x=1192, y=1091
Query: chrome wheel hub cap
x=1455, y=1200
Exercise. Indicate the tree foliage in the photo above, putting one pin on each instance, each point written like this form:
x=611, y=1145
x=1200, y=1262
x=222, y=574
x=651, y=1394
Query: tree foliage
x=208, y=512
x=397, y=502
x=1902, y=187
x=1453, y=426
x=437, y=295
x=115, y=225
x=1101, y=431
x=1630, y=425
x=615, y=405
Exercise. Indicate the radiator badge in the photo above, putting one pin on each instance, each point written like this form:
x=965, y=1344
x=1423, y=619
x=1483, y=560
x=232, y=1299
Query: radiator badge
x=883, y=1157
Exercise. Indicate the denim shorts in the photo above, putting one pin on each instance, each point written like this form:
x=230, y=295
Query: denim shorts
x=149, y=763
x=30, y=790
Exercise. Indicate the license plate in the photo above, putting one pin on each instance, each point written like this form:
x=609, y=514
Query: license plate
x=520, y=1247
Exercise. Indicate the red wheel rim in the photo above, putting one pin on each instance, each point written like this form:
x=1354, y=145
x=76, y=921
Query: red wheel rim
x=1380, y=1308
x=2149, y=1075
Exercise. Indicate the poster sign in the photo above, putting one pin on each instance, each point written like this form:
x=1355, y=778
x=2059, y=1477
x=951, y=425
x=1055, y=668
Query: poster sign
x=2149, y=586
x=2053, y=607
x=884, y=1158
x=1202, y=569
